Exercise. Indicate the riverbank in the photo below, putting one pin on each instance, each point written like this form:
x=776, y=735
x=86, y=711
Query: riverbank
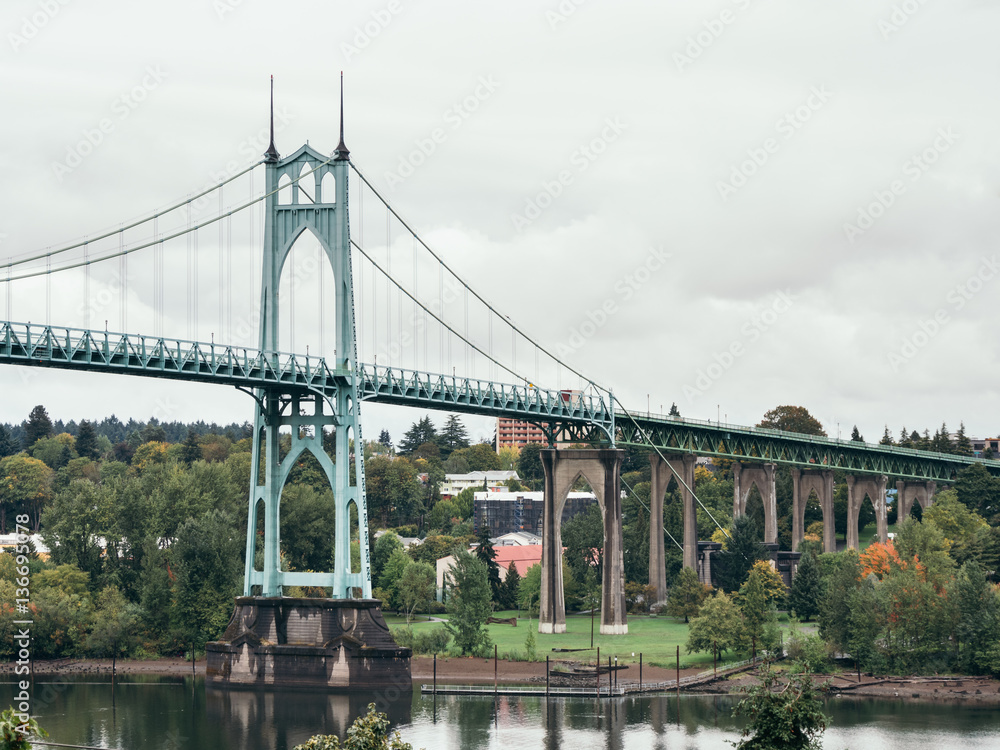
x=468, y=670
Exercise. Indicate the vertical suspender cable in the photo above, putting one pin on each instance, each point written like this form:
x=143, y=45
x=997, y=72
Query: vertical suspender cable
x=441, y=308
x=253, y=261
x=10, y=290
x=189, y=241
x=195, y=275
x=222, y=272
x=157, y=280
x=86, y=288
x=123, y=290
x=413, y=243
x=48, y=290
x=229, y=279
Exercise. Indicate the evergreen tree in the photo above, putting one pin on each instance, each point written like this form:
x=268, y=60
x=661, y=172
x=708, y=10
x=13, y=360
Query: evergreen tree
x=924, y=442
x=421, y=432
x=38, y=426
x=453, y=436
x=905, y=439
x=8, y=446
x=963, y=446
x=743, y=549
x=887, y=437
x=511, y=587
x=86, y=441
x=856, y=435
x=942, y=440
x=468, y=603
x=807, y=589
x=385, y=439
x=488, y=556
x=191, y=448
x=529, y=463
x=674, y=411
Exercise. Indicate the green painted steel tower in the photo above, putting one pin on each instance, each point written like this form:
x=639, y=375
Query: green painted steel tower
x=312, y=209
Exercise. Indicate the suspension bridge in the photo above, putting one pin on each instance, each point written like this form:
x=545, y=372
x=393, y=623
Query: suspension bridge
x=269, y=267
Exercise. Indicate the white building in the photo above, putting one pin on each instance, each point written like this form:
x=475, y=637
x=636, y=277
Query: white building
x=455, y=483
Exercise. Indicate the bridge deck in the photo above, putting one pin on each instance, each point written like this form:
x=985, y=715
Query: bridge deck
x=583, y=416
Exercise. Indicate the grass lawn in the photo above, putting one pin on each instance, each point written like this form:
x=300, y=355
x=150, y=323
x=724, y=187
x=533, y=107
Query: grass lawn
x=656, y=638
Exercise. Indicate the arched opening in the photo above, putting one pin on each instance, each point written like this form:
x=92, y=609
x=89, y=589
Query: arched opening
x=812, y=522
x=262, y=463
x=307, y=300
x=257, y=524
x=308, y=517
x=755, y=510
x=304, y=190
x=284, y=190
x=327, y=189
x=867, y=526
x=917, y=511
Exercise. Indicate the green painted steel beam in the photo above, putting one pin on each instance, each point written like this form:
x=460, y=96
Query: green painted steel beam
x=580, y=418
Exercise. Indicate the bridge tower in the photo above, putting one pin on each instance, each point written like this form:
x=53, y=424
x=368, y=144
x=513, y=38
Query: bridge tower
x=310, y=210
x=273, y=640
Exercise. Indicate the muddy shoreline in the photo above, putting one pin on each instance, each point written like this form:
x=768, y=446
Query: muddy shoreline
x=458, y=670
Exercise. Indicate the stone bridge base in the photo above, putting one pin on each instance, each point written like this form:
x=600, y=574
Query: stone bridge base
x=280, y=642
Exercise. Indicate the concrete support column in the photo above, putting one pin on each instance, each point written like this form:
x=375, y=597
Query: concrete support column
x=744, y=478
x=552, y=604
x=803, y=483
x=614, y=620
x=602, y=469
x=662, y=471
x=874, y=487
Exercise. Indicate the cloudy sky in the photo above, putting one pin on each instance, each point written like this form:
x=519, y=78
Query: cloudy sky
x=731, y=205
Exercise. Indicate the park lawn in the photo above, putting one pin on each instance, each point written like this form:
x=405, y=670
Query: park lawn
x=869, y=534
x=656, y=638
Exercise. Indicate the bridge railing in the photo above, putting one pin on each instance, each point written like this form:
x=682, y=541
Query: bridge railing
x=898, y=450
x=521, y=400
x=48, y=345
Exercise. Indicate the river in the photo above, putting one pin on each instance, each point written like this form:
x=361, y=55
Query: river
x=172, y=713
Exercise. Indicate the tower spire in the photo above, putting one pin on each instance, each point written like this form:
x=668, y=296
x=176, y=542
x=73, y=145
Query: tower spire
x=271, y=155
x=342, y=152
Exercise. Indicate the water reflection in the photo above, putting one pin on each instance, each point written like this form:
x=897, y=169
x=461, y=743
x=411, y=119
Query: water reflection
x=178, y=714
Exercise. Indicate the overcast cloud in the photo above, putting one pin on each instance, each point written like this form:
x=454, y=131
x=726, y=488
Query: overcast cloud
x=823, y=176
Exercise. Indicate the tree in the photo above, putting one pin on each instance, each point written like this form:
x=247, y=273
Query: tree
x=369, y=732
x=420, y=432
x=756, y=598
x=38, y=426
x=453, y=436
x=488, y=556
x=385, y=439
x=113, y=630
x=529, y=463
x=530, y=589
x=979, y=491
x=16, y=733
x=481, y=457
x=963, y=446
x=792, y=419
x=718, y=626
x=841, y=579
x=687, y=595
x=856, y=435
x=86, y=441
x=511, y=588
x=25, y=487
x=674, y=411
x=8, y=446
x=392, y=573
x=887, y=437
x=468, y=603
x=385, y=545
x=742, y=550
x=790, y=718
x=416, y=586
x=190, y=448
x=978, y=607
x=807, y=588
